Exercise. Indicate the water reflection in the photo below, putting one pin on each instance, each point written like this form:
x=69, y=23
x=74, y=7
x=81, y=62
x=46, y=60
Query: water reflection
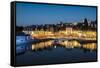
x=70, y=44
x=90, y=46
x=52, y=44
x=42, y=45
x=55, y=51
x=63, y=43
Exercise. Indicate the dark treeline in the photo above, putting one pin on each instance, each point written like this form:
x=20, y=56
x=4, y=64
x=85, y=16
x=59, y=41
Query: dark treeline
x=19, y=28
x=85, y=25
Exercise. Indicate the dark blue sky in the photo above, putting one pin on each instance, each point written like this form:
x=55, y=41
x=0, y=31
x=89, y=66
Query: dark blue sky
x=28, y=14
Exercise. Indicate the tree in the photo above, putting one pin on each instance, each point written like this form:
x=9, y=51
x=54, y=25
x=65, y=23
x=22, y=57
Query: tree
x=85, y=26
x=19, y=28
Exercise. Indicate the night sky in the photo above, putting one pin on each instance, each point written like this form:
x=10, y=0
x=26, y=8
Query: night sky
x=32, y=14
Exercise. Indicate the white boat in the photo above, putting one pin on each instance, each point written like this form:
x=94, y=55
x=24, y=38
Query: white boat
x=23, y=38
